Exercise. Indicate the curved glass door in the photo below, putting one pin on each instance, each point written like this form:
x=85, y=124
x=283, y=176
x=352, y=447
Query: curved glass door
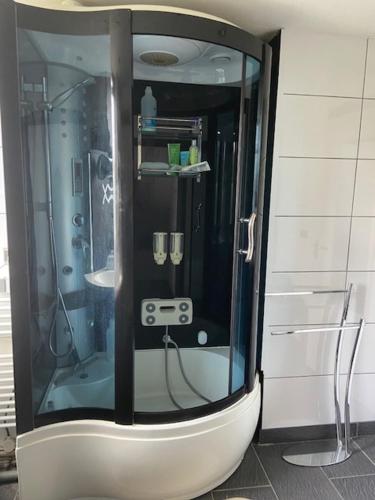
x=67, y=142
x=249, y=218
x=187, y=104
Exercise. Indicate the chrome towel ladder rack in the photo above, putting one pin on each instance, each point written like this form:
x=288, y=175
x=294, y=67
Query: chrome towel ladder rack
x=317, y=454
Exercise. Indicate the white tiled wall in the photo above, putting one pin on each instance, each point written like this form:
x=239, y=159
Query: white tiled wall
x=5, y=336
x=5, y=340
x=322, y=225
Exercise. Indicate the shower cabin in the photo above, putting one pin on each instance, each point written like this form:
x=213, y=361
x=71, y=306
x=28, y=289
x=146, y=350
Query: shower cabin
x=135, y=227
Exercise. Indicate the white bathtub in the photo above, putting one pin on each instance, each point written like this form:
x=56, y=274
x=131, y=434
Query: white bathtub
x=207, y=369
x=92, y=459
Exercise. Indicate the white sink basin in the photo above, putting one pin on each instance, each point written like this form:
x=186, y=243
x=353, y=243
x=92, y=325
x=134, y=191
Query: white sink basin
x=104, y=278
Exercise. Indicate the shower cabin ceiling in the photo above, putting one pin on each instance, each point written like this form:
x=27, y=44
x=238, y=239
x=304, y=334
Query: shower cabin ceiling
x=178, y=60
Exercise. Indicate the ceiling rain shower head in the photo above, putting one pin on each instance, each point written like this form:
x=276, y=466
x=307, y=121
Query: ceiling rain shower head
x=156, y=50
x=159, y=58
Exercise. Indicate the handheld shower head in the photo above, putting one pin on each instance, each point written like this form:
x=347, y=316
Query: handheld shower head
x=66, y=94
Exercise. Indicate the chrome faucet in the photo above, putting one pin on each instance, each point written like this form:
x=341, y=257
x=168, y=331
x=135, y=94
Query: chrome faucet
x=79, y=242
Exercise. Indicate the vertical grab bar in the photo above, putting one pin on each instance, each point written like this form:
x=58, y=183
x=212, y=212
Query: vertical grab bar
x=349, y=381
x=336, y=379
x=249, y=252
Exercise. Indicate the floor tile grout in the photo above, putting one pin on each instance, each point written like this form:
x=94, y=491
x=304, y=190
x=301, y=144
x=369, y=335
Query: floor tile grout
x=324, y=472
x=334, y=487
x=330, y=482
x=265, y=472
x=353, y=476
x=363, y=451
x=244, y=487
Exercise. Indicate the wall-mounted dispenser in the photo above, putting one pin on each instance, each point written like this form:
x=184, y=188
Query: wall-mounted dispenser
x=176, y=246
x=160, y=247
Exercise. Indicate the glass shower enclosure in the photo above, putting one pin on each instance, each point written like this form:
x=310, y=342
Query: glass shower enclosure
x=138, y=144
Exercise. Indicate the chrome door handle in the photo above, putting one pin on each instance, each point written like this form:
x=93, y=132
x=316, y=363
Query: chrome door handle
x=250, y=237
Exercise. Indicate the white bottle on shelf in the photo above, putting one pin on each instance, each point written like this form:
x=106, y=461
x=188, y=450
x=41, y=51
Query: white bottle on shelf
x=148, y=109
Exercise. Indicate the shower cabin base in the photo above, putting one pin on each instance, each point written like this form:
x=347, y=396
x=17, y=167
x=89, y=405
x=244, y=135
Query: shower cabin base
x=102, y=460
x=207, y=369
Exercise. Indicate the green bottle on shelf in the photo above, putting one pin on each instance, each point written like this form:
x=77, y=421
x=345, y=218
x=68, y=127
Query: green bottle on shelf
x=193, y=150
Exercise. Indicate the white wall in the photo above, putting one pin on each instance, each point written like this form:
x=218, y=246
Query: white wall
x=322, y=225
x=5, y=321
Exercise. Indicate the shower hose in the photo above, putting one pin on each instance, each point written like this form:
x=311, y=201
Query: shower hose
x=168, y=340
x=59, y=299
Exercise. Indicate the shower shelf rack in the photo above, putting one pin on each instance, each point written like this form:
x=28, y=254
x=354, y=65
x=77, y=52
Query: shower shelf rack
x=164, y=128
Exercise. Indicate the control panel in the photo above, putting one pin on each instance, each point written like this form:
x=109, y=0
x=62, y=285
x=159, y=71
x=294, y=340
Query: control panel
x=163, y=312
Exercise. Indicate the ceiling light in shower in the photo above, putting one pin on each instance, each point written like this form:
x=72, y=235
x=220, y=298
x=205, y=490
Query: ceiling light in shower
x=220, y=58
x=165, y=50
x=159, y=58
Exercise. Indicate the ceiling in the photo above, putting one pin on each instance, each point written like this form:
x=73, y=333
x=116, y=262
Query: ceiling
x=263, y=17
x=197, y=62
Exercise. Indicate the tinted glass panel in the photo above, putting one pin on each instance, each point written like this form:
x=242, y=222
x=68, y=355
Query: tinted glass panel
x=244, y=266
x=66, y=126
x=187, y=97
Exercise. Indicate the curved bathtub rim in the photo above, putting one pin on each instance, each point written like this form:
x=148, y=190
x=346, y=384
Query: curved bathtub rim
x=207, y=433
x=142, y=431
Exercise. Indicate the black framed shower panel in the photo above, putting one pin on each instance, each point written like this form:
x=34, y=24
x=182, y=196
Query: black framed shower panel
x=16, y=216
x=120, y=24
x=259, y=206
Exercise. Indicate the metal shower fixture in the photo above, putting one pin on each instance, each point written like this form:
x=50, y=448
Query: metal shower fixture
x=64, y=96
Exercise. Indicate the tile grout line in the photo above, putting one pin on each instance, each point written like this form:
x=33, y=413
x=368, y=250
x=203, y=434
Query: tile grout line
x=330, y=96
x=317, y=375
x=331, y=271
x=353, y=476
x=356, y=165
x=243, y=487
x=311, y=271
x=341, y=158
x=299, y=94
x=335, y=488
x=321, y=158
x=314, y=216
x=331, y=483
x=265, y=472
x=320, y=216
x=363, y=451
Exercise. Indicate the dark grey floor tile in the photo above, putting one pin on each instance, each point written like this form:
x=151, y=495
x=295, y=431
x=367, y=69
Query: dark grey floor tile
x=365, y=428
x=8, y=491
x=291, y=482
x=305, y=433
x=356, y=488
x=249, y=473
x=367, y=445
x=358, y=464
x=263, y=493
x=207, y=496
